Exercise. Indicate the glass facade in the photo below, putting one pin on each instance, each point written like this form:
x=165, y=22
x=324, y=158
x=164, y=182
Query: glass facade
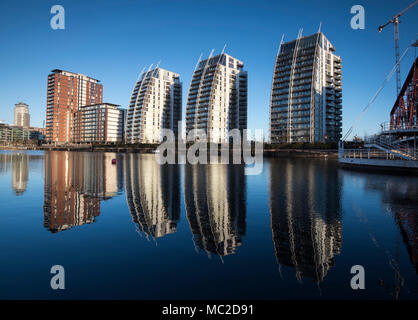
x=217, y=101
x=305, y=103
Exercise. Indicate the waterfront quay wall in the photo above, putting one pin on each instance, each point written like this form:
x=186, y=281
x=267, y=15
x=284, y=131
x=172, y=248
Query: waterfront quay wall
x=305, y=153
x=289, y=153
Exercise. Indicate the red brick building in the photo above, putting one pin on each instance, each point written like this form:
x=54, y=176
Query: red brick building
x=66, y=93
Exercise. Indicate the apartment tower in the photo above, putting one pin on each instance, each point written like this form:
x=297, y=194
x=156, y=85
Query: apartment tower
x=21, y=115
x=67, y=92
x=155, y=104
x=103, y=122
x=306, y=97
x=217, y=101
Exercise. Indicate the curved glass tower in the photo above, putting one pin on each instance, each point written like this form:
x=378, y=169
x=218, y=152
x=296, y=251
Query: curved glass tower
x=217, y=101
x=155, y=104
x=306, y=94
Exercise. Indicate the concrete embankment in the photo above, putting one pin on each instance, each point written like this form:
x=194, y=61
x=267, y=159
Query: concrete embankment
x=295, y=153
x=84, y=149
x=100, y=149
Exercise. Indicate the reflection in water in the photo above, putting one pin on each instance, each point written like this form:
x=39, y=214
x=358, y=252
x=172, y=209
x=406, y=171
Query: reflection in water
x=18, y=164
x=306, y=199
x=20, y=172
x=408, y=223
x=75, y=182
x=399, y=195
x=5, y=162
x=215, y=206
x=305, y=215
x=153, y=194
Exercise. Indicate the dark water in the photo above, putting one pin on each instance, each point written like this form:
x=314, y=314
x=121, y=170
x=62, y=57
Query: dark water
x=140, y=230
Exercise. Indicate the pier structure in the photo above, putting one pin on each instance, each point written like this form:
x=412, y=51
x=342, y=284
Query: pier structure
x=395, y=146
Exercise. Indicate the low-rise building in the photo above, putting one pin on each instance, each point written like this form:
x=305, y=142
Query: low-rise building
x=13, y=133
x=5, y=133
x=103, y=122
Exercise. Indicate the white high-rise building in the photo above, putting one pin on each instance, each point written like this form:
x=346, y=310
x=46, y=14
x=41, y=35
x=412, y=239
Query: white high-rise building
x=21, y=115
x=306, y=93
x=155, y=104
x=217, y=101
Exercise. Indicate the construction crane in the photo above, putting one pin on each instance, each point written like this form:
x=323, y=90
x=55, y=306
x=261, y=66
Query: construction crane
x=395, y=21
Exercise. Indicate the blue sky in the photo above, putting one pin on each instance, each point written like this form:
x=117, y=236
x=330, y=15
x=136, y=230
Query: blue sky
x=113, y=40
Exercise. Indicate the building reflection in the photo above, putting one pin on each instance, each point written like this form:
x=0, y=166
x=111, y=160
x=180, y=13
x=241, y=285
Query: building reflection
x=215, y=198
x=305, y=211
x=153, y=194
x=75, y=183
x=18, y=164
x=407, y=220
x=399, y=196
x=5, y=162
x=20, y=172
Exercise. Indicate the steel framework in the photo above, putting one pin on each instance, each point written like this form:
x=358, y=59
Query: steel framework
x=404, y=112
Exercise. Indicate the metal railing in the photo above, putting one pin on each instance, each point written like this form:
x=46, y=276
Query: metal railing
x=389, y=144
x=368, y=153
x=387, y=126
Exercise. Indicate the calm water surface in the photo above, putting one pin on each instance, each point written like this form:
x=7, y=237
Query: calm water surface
x=140, y=230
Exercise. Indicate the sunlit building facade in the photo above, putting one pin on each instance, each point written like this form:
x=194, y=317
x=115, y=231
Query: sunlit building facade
x=306, y=98
x=12, y=133
x=66, y=93
x=102, y=122
x=21, y=115
x=217, y=101
x=6, y=133
x=155, y=104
